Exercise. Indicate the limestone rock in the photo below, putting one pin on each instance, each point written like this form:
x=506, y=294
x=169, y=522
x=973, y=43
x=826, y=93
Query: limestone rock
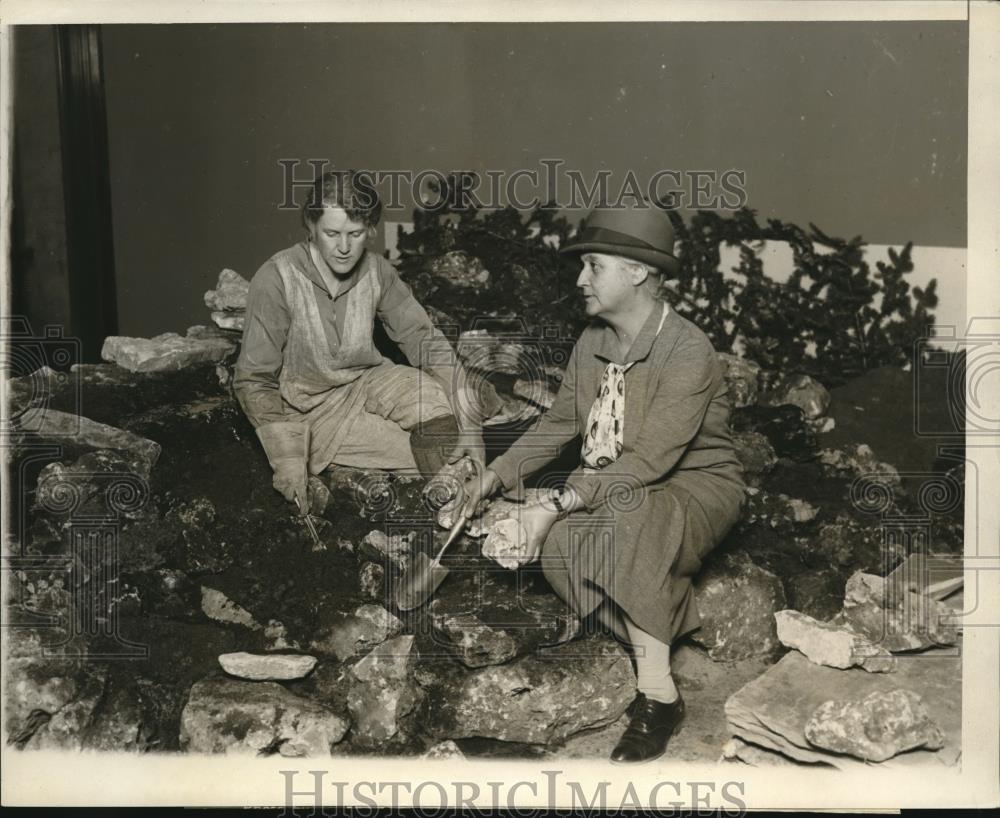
x=798, y=390
x=896, y=619
x=382, y=694
x=353, y=634
x=741, y=378
x=444, y=751
x=396, y=549
x=507, y=543
x=238, y=717
x=493, y=619
x=229, y=320
x=275, y=667
x=830, y=645
x=539, y=699
x=165, y=352
x=737, y=601
x=75, y=430
x=216, y=605
x=230, y=292
x=372, y=579
x=859, y=461
x=460, y=269
x=876, y=728
x=756, y=454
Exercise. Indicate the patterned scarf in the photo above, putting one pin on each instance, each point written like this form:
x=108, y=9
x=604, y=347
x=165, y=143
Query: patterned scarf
x=603, y=441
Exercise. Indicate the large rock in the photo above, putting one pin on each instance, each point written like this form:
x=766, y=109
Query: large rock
x=165, y=352
x=274, y=667
x=230, y=293
x=830, y=645
x=74, y=430
x=737, y=601
x=394, y=549
x=741, y=378
x=896, y=619
x=798, y=390
x=383, y=694
x=237, y=717
x=538, y=699
x=756, y=454
x=876, y=728
x=356, y=633
x=493, y=619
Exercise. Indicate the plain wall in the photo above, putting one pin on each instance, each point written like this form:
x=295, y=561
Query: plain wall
x=857, y=127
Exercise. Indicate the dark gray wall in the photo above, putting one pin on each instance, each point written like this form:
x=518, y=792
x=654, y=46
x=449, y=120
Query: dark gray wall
x=858, y=127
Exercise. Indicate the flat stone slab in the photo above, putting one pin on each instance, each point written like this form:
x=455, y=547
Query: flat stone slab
x=267, y=667
x=772, y=711
x=165, y=352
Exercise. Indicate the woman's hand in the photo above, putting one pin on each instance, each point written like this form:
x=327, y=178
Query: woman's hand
x=470, y=444
x=477, y=489
x=536, y=520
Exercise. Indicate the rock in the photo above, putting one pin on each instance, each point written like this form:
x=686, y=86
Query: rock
x=822, y=425
x=230, y=292
x=396, y=549
x=382, y=694
x=353, y=634
x=802, y=511
x=372, y=579
x=120, y=725
x=199, y=513
x=229, y=320
x=539, y=699
x=444, y=751
x=216, y=605
x=75, y=430
x=860, y=461
x=772, y=710
x=276, y=637
x=846, y=542
x=830, y=645
x=119, y=476
x=376, y=493
x=237, y=717
x=164, y=352
x=507, y=543
x=497, y=510
x=66, y=728
x=460, y=269
x=784, y=426
x=756, y=454
x=895, y=619
x=737, y=601
x=275, y=667
x=480, y=350
x=798, y=390
x=876, y=728
x=488, y=618
x=741, y=378
x=743, y=752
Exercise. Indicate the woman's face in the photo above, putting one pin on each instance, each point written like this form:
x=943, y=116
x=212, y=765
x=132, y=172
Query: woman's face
x=605, y=283
x=340, y=240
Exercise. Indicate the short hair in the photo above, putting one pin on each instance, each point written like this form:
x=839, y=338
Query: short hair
x=350, y=190
x=649, y=269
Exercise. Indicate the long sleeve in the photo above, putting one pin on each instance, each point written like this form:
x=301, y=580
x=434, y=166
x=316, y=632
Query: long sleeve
x=681, y=393
x=546, y=440
x=259, y=365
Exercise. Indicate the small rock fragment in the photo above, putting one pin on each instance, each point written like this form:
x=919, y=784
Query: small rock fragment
x=216, y=605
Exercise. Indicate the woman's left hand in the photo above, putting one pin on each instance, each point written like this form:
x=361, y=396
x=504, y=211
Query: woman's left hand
x=536, y=520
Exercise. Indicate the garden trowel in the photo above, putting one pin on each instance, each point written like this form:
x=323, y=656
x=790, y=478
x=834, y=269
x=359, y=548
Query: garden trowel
x=424, y=575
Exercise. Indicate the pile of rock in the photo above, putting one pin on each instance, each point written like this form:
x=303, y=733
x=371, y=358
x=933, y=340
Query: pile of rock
x=228, y=301
x=876, y=683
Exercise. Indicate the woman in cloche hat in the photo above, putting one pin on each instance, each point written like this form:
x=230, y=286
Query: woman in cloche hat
x=658, y=485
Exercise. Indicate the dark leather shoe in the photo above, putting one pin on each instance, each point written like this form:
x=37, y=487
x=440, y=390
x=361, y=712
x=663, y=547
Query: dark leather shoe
x=651, y=724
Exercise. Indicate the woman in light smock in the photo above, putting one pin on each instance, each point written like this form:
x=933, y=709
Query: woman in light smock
x=659, y=484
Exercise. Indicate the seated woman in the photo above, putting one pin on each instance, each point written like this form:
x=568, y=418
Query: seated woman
x=659, y=484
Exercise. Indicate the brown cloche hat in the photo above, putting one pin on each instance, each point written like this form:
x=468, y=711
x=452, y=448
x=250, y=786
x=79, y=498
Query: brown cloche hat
x=643, y=233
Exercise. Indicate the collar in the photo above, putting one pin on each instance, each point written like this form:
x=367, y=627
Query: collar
x=643, y=343
x=316, y=277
